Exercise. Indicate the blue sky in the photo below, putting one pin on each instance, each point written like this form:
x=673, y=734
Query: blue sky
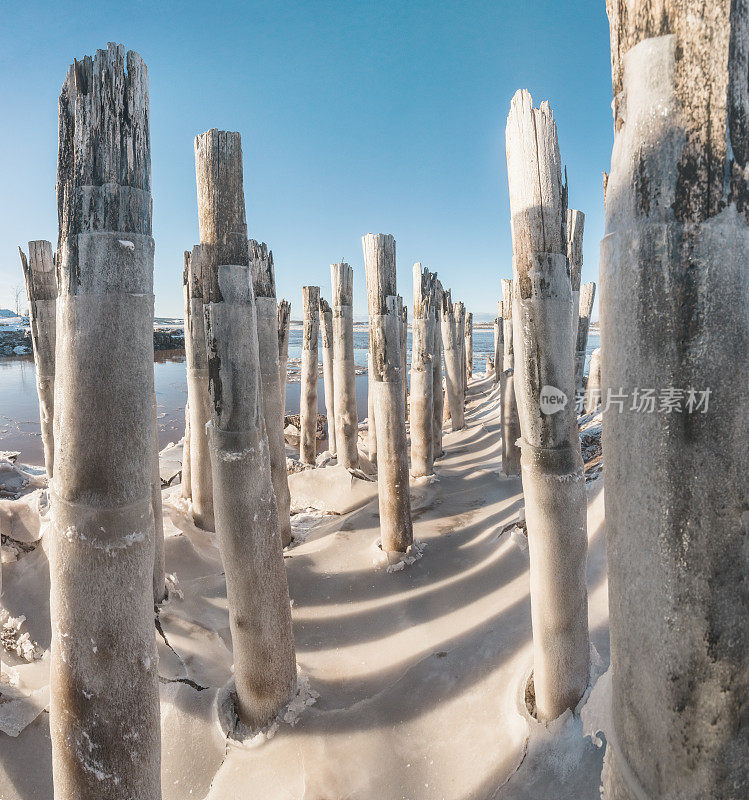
x=355, y=117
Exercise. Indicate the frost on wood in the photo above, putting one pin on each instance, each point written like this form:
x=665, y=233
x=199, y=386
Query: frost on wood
x=326, y=330
x=552, y=468
x=104, y=710
x=422, y=379
x=344, y=380
x=41, y=289
x=244, y=501
x=264, y=284
x=386, y=379
x=674, y=314
x=308, y=396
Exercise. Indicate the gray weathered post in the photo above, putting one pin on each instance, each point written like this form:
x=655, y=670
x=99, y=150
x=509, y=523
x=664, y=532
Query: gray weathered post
x=344, y=371
x=552, y=467
x=574, y=234
x=438, y=397
x=593, y=390
x=41, y=288
x=587, y=293
x=159, y=578
x=422, y=380
x=264, y=287
x=469, y=346
x=198, y=400
x=451, y=349
x=284, y=325
x=371, y=424
x=403, y=313
x=245, y=503
x=509, y=407
x=185, y=472
x=326, y=330
x=104, y=698
x=674, y=318
x=308, y=396
x=499, y=343
x=386, y=332
x=459, y=310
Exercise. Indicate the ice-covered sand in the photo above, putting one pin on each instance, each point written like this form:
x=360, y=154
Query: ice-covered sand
x=417, y=674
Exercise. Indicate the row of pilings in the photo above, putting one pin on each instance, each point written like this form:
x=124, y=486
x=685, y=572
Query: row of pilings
x=673, y=307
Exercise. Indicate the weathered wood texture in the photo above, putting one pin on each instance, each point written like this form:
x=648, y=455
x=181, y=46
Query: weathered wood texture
x=344, y=370
x=41, y=289
x=459, y=311
x=326, y=330
x=575, y=229
x=422, y=379
x=499, y=343
x=587, y=295
x=593, y=389
x=159, y=577
x=386, y=332
x=438, y=397
x=469, y=345
x=264, y=286
x=552, y=467
x=675, y=318
x=509, y=407
x=453, y=364
x=284, y=328
x=198, y=401
x=308, y=396
x=104, y=701
x=246, y=512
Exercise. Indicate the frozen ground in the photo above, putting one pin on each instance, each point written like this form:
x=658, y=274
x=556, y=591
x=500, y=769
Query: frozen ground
x=419, y=673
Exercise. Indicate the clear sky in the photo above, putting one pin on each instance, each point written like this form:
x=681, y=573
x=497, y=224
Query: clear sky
x=355, y=117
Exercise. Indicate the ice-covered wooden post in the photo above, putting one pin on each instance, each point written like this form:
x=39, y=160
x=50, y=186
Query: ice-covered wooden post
x=198, y=401
x=326, y=331
x=245, y=504
x=264, y=287
x=386, y=332
x=499, y=343
x=575, y=229
x=422, y=380
x=403, y=312
x=344, y=371
x=509, y=407
x=593, y=390
x=104, y=698
x=459, y=311
x=674, y=319
x=469, y=346
x=41, y=288
x=284, y=326
x=308, y=396
x=185, y=471
x=159, y=578
x=587, y=293
x=438, y=397
x=552, y=467
x=452, y=353
x=371, y=424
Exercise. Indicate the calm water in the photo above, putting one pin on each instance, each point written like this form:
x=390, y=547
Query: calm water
x=19, y=407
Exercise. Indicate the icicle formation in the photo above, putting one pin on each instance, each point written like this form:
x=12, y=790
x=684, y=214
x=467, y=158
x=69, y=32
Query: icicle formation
x=103, y=679
x=386, y=332
x=674, y=320
x=344, y=374
x=245, y=504
x=552, y=468
x=264, y=285
x=41, y=289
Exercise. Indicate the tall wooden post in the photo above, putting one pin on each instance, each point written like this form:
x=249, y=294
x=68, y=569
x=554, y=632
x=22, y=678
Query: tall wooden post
x=674, y=319
x=264, y=286
x=104, y=699
x=451, y=350
x=185, y=477
x=552, y=467
x=509, y=407
x=574, y=235
x=422, y=380
x=198, y=400
x=308, y=397
x=403, y=313
x=386, y=331
x=41, y=288
x=459, y=310
x=284, y=326
x=326, y=330
x=587, y=293
x=438, y=397
x=469, y=346
x=344, y=371
x=499, y=343
x=371, y=423
x=245, y=503
x=159, y=562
